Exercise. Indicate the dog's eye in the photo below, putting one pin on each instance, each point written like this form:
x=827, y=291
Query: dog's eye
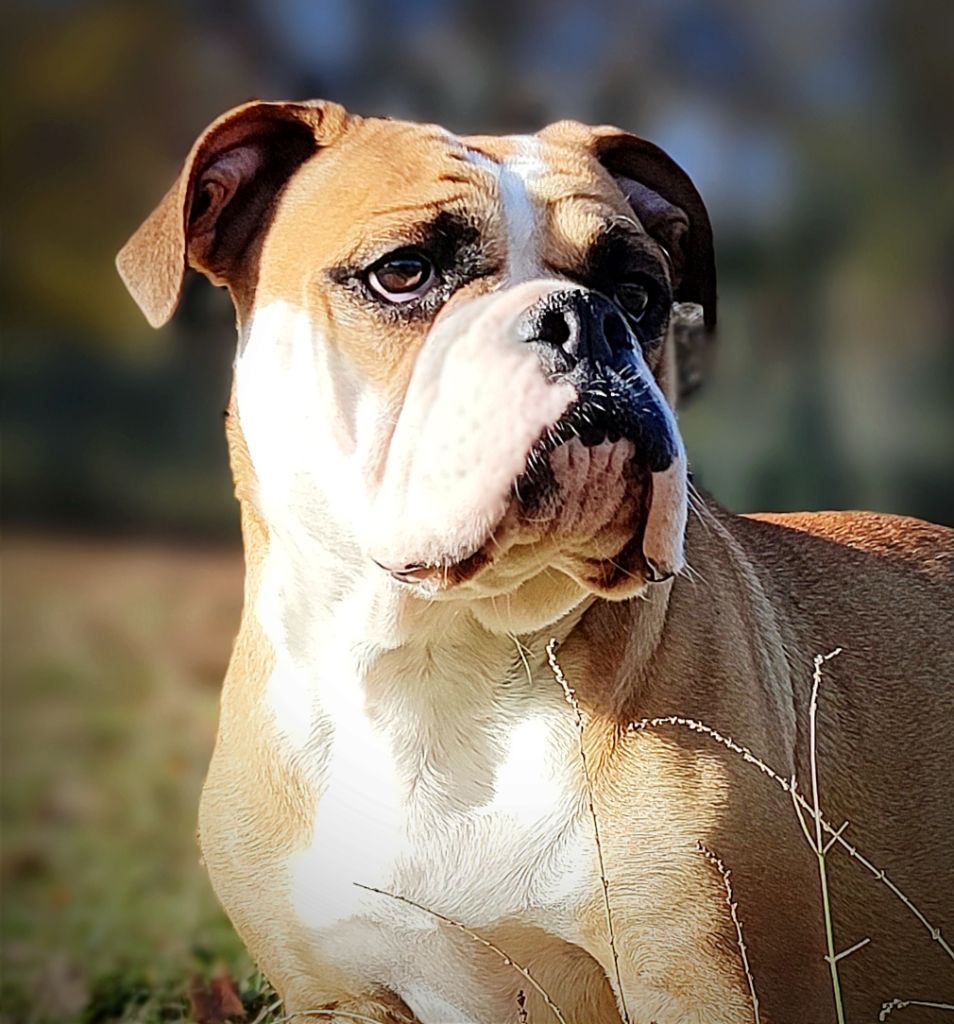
x=634, y=297
x=402, y=276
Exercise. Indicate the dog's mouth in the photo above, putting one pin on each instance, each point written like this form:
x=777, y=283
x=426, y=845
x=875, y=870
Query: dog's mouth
x=625, y=438
x=618, y=405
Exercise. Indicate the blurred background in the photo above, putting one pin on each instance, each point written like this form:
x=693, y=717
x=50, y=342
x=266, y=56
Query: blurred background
x=821, y=135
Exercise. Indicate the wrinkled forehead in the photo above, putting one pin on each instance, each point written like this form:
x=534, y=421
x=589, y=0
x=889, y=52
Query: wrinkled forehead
x=385, y=180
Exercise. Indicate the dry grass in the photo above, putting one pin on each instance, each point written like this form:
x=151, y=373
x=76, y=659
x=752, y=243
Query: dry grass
x=504, y=957
x=790, y=786
x=726, y=875
x=900, y=1004
x=821, y=841
x=569, y=695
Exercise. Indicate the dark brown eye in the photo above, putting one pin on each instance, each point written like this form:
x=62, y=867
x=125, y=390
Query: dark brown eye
x=402, y=276
x=634, y=297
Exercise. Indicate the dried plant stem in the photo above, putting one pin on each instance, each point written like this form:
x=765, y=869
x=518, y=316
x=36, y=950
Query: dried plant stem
x=899, y=1004
x=267, y=1011
x=819, y=845
x=505, y=957
x=522, y=653
x=716, y=862
x=570, y=696
x=787, y=785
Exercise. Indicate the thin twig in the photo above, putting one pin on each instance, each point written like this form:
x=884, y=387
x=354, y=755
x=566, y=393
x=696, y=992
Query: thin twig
x=836, y=836
x=899, y=1004
x=852, y=949
x=522, y=654
x=266, y=1010
x=799, y=813
x=570, y=696
x=505, y=957
x=786, y=785
x=733, y=905
x=818, y=844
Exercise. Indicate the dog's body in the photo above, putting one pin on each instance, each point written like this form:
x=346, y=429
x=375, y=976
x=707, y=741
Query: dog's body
x=398, y=811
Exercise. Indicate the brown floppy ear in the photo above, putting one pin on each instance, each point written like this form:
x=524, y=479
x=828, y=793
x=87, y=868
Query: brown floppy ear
x=215, y=211
x=670, y=208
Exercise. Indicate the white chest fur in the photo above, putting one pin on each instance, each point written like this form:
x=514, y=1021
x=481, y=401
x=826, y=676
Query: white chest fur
x=444, y=772
x=517, y=850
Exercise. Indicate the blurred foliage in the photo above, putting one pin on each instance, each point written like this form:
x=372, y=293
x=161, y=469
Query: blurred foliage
x=820, y=134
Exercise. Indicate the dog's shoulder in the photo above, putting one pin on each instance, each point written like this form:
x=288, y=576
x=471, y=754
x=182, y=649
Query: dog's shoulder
x=875, y=585
x=843, y=539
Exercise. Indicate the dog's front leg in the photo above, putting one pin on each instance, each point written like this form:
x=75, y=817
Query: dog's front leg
x=379, y=1006
x=361, y=972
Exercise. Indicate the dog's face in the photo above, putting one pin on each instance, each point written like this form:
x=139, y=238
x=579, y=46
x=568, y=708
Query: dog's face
x=453, y=357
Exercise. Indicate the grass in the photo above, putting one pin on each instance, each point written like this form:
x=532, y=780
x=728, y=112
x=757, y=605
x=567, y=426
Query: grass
x=112, y=659
x=486, y=943
x=821, y=842
x=726, y=875
x=569, y=695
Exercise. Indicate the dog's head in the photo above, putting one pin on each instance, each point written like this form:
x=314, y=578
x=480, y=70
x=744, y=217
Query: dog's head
x=455, y=355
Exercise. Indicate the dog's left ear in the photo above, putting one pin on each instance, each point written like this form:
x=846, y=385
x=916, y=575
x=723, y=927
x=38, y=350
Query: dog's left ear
x=670, y=208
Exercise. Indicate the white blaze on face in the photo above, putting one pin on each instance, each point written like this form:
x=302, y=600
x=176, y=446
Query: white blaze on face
x=521, y=210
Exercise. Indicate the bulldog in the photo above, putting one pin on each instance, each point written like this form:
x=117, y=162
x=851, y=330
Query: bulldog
x=471, y=568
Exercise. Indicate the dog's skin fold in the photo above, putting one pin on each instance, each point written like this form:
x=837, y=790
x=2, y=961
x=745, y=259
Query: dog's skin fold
x=453, y=438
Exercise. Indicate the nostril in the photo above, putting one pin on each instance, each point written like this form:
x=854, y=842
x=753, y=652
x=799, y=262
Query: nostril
x=553, y=328
x=616, y=332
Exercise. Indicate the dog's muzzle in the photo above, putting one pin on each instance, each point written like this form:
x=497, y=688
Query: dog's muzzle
x=501, y=397
x=582, y=338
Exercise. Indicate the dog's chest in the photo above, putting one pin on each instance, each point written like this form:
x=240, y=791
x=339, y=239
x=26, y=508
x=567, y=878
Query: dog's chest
x=461, y=796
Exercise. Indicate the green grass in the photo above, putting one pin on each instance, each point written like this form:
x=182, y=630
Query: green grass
x=112, y=656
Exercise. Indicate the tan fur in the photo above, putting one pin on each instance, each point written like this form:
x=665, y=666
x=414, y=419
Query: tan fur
x=358, y=200
x=730, y=644
x=735, y=652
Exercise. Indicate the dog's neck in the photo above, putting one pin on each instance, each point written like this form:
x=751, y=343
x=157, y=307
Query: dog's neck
x=349, y=638
x=337, y=632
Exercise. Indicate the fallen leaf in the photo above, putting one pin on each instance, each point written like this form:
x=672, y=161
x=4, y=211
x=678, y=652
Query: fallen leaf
x=216, y=1002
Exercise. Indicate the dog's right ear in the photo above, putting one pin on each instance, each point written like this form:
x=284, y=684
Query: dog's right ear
x=220, y=202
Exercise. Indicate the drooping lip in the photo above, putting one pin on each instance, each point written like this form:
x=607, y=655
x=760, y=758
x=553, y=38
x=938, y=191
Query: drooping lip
x=529, y=494
x=445, y=574
x=613, y=407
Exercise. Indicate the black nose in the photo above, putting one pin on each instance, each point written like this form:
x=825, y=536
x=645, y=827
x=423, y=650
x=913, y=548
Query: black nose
x=572, y=326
